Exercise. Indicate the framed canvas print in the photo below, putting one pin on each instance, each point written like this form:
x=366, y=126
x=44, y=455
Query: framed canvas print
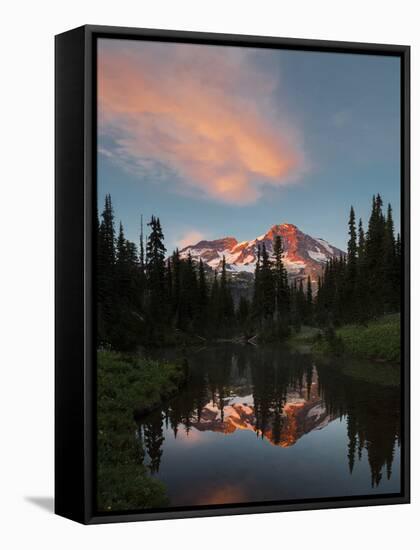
x=232, y=274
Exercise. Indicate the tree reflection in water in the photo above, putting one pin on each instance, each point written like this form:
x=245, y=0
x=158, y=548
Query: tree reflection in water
x=280, y=396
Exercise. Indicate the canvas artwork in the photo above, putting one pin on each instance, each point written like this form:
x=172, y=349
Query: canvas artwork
x=247, y=275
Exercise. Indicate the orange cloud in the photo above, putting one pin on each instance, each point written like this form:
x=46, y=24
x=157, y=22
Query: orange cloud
x=205, y=114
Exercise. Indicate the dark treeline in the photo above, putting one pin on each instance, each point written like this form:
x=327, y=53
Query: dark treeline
x=366, y=283
x=145, y=296
x=361, y=285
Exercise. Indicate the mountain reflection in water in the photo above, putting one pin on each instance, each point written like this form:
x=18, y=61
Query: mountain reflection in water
x=241, y=402
x=301, y=412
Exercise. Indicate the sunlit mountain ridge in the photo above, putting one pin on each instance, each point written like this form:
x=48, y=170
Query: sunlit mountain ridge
x=303, y=255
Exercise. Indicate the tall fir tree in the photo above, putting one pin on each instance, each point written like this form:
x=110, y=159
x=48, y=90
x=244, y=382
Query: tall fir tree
x=375, y=258
x=202, y=295
x=309, y=301
x=282, y=305
x=141, y=248
x=267, y=285
x=391, y=272
x=189, y=293
x=106, y=272
x=169, y=287
x=257, y=305
x=176, y=281
x=349, y=305
x=155, y=258
x=226, y=301
x=214, y=305
x=361, y=244
x=361, y=283
x=300, y=306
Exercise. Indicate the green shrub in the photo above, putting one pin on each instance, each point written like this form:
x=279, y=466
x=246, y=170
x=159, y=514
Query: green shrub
x=378, y=340
x=125, y=385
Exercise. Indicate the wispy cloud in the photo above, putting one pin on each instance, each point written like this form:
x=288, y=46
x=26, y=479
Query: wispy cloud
x=190, y=237
x=207, y=116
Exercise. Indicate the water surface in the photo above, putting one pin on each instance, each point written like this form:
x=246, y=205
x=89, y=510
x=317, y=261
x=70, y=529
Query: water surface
x=267, y=424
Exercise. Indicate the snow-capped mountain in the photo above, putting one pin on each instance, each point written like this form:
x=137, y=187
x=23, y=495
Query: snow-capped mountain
x=303, y=254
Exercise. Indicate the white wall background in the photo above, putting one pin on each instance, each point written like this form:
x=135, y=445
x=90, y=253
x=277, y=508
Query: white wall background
x=26, y=272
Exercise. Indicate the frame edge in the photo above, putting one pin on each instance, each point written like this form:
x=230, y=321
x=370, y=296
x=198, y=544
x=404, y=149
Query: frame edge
x=70, y=444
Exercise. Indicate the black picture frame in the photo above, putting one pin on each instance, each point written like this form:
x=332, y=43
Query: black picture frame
x=75, y=203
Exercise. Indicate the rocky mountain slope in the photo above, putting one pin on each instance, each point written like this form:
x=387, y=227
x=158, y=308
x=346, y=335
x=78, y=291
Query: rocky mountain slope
x=303, y=255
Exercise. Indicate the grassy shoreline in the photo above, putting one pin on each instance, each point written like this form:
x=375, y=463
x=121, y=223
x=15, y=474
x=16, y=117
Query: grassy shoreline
x=128, y=385
x=378, y=340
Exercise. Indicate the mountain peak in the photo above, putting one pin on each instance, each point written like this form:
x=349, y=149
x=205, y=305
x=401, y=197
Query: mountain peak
x=286, y=226
x=303, y=254
x=281, y=229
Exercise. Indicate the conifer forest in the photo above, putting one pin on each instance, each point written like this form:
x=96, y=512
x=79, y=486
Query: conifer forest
x=147, y=295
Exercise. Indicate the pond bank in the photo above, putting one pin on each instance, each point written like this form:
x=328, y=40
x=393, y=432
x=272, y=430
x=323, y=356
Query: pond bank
x=127, y=384
x=377, y=340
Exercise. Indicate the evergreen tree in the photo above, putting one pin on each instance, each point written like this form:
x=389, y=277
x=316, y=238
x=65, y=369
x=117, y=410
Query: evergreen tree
x=293, y=306
x=391, y=271
x=352, y=242
x=318, y=302
x=142, y=266
x=214, y=307
x=309, y=301
x=105, y=272
x=351, y=270
x=132, y=254
x=141, y=257
x=330, y=299
x=398, y=270
x=361, y=240
x=101, y=329
x=301, y=304
x=169, y=287
x=375, y=258
x=340, y=305
x=121, y=247
x=107, y=232
x=267, y=287
x=226, y=301
x=123, y=332
x=281, y=282
x=243, y=311
x=366, y=283
x=188, y=294
x=257, y=303
x=202, y=295
x=155, y=258
x=176, y=281
x=361, y=283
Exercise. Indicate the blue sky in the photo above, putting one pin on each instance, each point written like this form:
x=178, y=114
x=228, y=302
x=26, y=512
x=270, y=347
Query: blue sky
x=227, y=142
